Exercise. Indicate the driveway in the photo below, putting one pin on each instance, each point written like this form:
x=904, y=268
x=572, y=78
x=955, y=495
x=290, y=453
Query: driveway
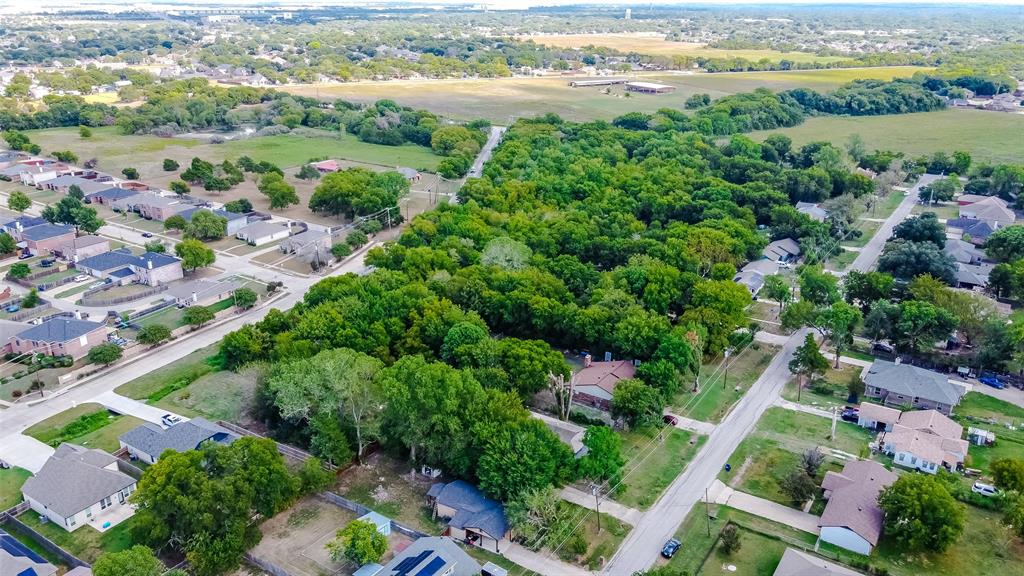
x=123, y=405
x=25, y=452
x=719, y=493
x=869, y=254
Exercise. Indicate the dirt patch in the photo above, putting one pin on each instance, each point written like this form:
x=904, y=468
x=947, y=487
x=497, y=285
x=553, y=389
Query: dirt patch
x=384, y=485
x=737, y=479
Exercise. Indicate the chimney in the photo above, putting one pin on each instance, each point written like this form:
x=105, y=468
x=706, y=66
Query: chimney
x=897, y=361
x=588, y=361
x=149, y=264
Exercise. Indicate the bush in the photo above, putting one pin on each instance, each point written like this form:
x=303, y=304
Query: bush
x=273, y=130
x=341, y=251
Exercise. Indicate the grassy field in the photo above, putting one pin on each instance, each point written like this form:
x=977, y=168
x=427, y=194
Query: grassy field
x=502, y=99
x=988, y=136
x=156, y=383
x=86, y=543
x=89, y=425
x=653, y=44
x=826, y=392
x=222, y=395
x=991, y=414
x=652, y=467
x=716, y=396
x=980, y=405
x=11, y=480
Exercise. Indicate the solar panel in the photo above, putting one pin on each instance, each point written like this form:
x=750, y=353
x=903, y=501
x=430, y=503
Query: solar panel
x=406, y=566
x=17, y=549
x=432, y=568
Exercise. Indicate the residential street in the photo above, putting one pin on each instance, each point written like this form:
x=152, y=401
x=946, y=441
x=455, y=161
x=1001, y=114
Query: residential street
x=869, y=254
x=661, y=521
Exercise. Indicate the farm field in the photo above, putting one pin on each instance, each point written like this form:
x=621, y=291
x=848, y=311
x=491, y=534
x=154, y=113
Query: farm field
x=990, y=137
x=654, y=44
x=502, y=99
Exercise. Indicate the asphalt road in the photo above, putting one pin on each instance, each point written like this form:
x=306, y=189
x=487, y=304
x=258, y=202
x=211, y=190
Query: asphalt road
x=660, y=522
x=869, y=254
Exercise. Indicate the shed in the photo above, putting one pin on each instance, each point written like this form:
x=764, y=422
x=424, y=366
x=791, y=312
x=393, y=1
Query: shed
x=383, y=523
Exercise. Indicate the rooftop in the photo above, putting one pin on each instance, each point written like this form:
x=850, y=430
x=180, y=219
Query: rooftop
x=431, y=556
x=45, y=231
x=853, y=502
x=59, y=330
x=154, y=440
x=913, y=382
x=17, y=559
x=113, y=193
x=605, y=375
x=473, y=509
x=796, y=563
x=75, y=478
x=260, y=229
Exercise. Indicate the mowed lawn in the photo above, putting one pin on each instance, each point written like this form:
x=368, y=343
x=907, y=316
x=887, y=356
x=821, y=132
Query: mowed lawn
x=86, y=543
x=90, y=425
x=501, y=100
x=655, y=456
x=980, y=411
x=721, y=389
x=991, y=137
x=11, y=480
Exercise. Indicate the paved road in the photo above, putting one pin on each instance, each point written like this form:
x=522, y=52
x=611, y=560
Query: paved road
x=868, y=255
x=660, y=522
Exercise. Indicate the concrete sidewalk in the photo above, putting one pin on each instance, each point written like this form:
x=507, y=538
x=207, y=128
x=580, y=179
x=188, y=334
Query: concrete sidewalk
x=610, y=507
x=788, y=405
x=719, y=493
x=692, y=425
x=542, y=563
x=124, y=405
x=769, y=338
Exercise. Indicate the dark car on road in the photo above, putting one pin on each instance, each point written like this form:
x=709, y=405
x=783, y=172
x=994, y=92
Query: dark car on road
x=992, y=381
x=850, y=414
x=670, y=548
x=670, y=419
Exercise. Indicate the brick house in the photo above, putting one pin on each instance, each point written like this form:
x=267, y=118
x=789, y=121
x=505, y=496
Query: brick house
x=123, y=267
x=47, y=237
x=60, y=337
x=83, y=247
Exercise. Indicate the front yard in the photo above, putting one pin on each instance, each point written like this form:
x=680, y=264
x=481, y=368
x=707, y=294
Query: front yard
x=174, y=376
x=11, y=480
x=652, y=463
x=825, y=392
x=90, y=425
x=720, y=388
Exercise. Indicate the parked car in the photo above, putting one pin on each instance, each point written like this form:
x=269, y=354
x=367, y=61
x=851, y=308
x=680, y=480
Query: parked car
x=47, y=262
x=25, y=256
x=670, y=419
x=82, y=277
x=147, y=234
x=12, y=308
x=670, y=548
x=784, y=264
x=882, y=347
x=992, y=381
x=170, y=420
x=984, y=489
x=850, y=414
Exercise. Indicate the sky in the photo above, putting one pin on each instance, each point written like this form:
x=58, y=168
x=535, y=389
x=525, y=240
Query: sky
x=35, y=5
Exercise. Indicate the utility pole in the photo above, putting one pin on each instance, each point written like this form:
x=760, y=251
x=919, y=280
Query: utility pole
x=725, y=381
x=707, y=510
x=832, y=437
x=597, y=504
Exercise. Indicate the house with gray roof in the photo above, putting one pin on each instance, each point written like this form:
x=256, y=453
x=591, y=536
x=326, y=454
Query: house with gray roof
x=59, y=337
x=123, y=267
x=17, y=559
x=78, y=486
x=798, y=563
x=812, y=210
x=235, y=220
x=977, y=230
x=47, y=237
x=148, y=441
x=471, y=516
x=429, y=556
x=782, y=250
x=901, y=385
x=971, y=276
x=963, y=252
x=260, y=233
x=110, y=195
x=852, y=518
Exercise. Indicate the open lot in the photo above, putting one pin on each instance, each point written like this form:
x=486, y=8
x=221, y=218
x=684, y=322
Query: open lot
x=718, y=391
x=294, y=539
x=384, y=485
x=997, y=416
x=654, y=44
x=222, y=395
x=176, y=375
x=90, y=425
x=988, y=136
x=824, y=392
x=501, y=99
x=656, y=456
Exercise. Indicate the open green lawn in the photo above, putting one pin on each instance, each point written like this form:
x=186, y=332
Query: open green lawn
x=86, y=543
x=826, y=392
x=285, y=150
x=988, y=136
x=11, y=480
x=943, y=211
x=90, y=425
x=992, y=414
x=718, y=390
x=653, y=463
x=162, y=381
x=983, y=406
x=500, y=99
x=221, y=395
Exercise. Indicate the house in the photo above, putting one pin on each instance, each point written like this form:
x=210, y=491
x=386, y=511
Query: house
x=797, y=563
x=148, y=441
x=594, y=384
x=752, y=275
x=235, y=220
x=108, y=196
x=852, y=518
x=812, y=210
x=202, y=292
x=410, y=174
x=976, y=231
x=896, y=384
x=150, y=206
x=327, y=166
x=877, y=417
x=17, y=559
x=36, y=175
x=123, y=267
x=963, y=252
x=783, y=250
x=428, y=556
x=991, y=209
x=968, y=199
x=83, y=247
x=307, y=242
x=971, y=276
x=16, y=226
x=47, y=237
x=260, y=233
x=925, y=440
x=78, y=486
x=472, y=517
x=60, y=336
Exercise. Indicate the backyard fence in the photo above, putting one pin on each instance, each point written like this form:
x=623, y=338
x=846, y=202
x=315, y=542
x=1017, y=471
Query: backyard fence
x=29, y=312
x=7, y=521
x=342, y=502
x=150, y=310
x=266, y=566
x=50, y=285
x=285, y=450
x=88, y=300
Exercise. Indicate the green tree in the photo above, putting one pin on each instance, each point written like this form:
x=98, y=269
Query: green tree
x=920, y=514
x=30, y=300
x=106, y=353
x=170, y=165
x=356, y=238
x=863, y=289
x=84, y=132
x=135, y=561
x=921, y=323
x=941, y=190
x=807, y=361
x=18, y=201
x=341, y=251
x=1004, y=245
x=280, y=193
x=777, y=288
x=7, y=243
x=180, y=187
x=245, y=298
x=194, y=254
x=76, y=192
x=154, y=334
x=196, y=316
x=603, y=461
x=66, y=156
x=906, y=260
x=205, y=225
x=798, y=486
x=730, y=539
x=637, y=403
x=71, y=211
x=923, y=228
x=357, y=191
x=839, y=324
x=240, y=206
x=523, y=456
x=360, y=542
x=243, y=346
x=130, y=173
x=313, y=476
x=308, y=172
x=19, y=270
x=155, y=246
x=1008, y=473
x=818, y=286
x=176, y=222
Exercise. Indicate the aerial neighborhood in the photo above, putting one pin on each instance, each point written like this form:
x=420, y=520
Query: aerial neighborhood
x=572, y=290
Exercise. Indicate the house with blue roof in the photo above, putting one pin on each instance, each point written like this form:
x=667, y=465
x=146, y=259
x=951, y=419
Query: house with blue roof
x=17, y=225
x=122, y=267
x=47, y=237
x=472, y=517
x=17, y=559
x=235, y=221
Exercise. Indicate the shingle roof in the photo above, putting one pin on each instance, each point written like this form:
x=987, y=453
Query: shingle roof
x=605, y=375
x=781, y=248
x=73, y=479
x=973, y=274
x=108, y=260
x=154, y=440
x=913, y=382
x=229, y=216
x=112, y=193
x=59, y=330
x=991, y=208
x=879, y=413
x=853, y=502
x=925, y=445
x=796, y=563
x=473, y=509
x=932, y=421
x=44, y=231
x=963, y=252
x=83, y=241
x=979, y=229
x=439, y=552
x=262, y=229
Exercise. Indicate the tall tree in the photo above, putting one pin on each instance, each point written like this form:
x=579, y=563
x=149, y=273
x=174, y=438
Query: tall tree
x=135, y=561
x=807, y=361
x=838, y=323
x=194, y=254
x=920, y=514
